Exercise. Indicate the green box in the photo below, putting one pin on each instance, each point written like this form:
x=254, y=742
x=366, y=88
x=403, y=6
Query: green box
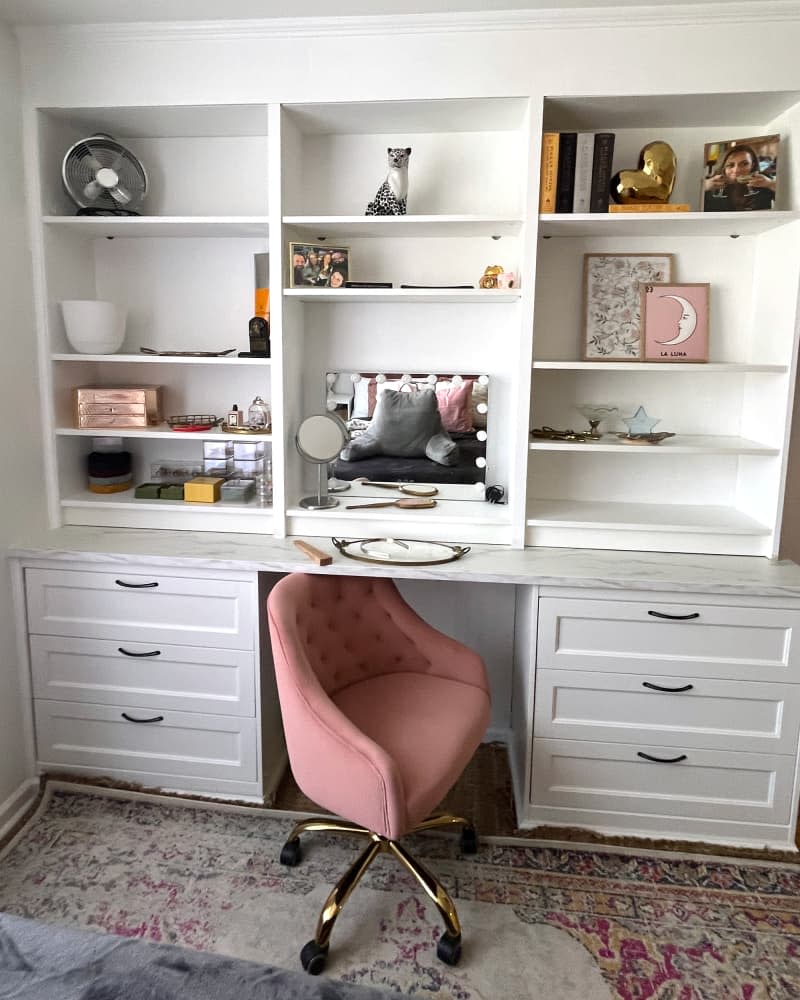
x=172, y=492
x=147, y=491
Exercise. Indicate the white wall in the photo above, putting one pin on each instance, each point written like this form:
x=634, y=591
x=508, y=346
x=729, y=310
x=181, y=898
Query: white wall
x=21, y=497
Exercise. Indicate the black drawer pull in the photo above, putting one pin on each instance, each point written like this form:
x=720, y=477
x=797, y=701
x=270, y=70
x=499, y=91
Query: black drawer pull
x=661, y=760
x=127, y=652
x=647, y=684
x=674, y=618
x=130, y=718
x=134, y=586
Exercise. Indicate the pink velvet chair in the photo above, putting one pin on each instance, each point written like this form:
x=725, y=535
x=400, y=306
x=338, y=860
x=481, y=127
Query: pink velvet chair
x=381, y=714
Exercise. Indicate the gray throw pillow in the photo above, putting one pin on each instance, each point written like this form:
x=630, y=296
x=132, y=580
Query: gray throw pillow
x=404, y=425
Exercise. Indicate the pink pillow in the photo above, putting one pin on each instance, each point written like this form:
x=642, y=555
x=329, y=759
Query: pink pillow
x=455, y=404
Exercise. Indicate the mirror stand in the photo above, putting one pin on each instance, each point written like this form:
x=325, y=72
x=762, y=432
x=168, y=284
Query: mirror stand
x=319, y=440
x=322, y=501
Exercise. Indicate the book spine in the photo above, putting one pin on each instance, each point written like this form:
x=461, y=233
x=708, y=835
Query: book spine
x=548, y=175
x=565, y=185
x=584, y=154
x=601, y=171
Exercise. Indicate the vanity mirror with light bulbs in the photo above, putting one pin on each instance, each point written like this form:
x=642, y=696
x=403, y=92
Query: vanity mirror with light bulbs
x=413, y=428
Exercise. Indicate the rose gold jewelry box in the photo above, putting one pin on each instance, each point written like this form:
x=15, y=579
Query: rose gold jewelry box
x=129, y=406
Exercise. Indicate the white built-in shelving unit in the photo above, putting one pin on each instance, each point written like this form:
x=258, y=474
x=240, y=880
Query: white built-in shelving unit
x=227, y=182
x=718, y=485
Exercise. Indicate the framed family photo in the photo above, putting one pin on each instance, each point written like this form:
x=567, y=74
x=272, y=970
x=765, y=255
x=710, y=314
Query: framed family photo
x=318, y=266
x=675, y=322
x=741, y=175
x=612, y=302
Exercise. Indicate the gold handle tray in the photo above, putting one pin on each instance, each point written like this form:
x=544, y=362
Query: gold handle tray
x=399, y=551
x=227, y=429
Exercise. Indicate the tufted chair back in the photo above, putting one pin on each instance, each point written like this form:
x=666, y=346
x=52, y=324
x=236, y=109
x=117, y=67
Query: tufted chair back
x=351, y=628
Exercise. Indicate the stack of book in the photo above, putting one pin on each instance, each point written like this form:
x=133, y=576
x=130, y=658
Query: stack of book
x=576, y=171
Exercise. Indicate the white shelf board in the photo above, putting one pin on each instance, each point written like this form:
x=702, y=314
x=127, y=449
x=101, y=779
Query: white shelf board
x=658, y=368
x=682, y=444
x=483, y=114
x=446, y=511
x=127, y=501
x=659, y=518
x=149, y=359
x=473, y=295
x=393, y=226
x=162, y=431
x=97, y=227
x=663, y=223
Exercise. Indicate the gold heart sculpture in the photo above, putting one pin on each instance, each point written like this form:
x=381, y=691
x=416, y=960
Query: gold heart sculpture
x=653, y=180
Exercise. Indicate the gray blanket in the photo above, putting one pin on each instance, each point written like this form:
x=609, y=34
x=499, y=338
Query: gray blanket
x=42, y=962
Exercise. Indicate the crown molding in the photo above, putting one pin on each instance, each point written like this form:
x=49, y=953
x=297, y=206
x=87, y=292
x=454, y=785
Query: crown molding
x=645, y=16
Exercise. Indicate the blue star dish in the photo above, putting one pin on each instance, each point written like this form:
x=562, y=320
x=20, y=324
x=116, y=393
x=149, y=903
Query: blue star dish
x=640, y=423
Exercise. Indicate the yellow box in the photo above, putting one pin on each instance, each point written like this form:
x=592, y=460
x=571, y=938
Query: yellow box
x=202, y=489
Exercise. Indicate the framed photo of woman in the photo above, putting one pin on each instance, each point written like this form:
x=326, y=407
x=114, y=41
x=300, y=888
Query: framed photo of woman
x=741, y=175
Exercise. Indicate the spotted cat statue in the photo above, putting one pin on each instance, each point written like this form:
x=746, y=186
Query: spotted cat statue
x=392, y=194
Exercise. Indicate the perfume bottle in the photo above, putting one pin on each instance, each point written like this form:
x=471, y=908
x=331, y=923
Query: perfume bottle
x=258, y=415
x=235, y=417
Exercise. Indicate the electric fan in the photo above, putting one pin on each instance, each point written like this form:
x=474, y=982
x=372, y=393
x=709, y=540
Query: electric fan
x=103, y=178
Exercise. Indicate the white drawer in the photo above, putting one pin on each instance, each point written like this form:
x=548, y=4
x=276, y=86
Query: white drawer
x=633, y=637
x=706, y=784
x=151, y=608
x=627, y=708
x=181, y=678
x=99, y=739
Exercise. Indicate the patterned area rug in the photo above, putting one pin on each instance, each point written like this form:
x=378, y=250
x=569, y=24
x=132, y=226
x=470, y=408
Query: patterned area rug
x=545, y=922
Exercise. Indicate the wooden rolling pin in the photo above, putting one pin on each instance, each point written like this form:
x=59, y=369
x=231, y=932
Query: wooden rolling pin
x=315, y=555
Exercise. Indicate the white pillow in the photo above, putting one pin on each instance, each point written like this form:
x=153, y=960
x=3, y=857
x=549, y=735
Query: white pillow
x=361, y=399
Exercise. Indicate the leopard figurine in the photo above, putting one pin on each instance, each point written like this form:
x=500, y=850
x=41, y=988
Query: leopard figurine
x=392, y=194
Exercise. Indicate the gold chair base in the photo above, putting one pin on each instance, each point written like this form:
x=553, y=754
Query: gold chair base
x=340, y=893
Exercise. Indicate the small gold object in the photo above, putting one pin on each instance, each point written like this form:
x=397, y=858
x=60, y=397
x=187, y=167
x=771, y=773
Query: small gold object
x=653, y=180
x=489, y=277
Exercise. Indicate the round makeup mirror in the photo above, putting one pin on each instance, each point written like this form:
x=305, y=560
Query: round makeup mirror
x=319, y=440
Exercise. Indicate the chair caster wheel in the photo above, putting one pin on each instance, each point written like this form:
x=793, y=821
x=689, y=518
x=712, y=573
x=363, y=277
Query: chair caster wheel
x=291, y=853
x=469, y=840
x=448, y=950
x=312, y=958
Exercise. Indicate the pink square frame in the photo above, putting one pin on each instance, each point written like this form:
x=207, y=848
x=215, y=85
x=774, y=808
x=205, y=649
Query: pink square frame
x=675, y=322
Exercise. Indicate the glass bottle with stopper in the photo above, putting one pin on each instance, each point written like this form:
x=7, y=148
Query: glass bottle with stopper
x=258, y=415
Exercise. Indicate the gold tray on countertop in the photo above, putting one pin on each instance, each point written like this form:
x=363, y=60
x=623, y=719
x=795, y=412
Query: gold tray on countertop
x=399, y=551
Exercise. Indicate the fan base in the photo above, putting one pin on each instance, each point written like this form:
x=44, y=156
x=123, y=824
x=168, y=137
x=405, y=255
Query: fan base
x=105, y=211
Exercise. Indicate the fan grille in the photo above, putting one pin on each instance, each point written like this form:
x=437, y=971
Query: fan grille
x=86, y=158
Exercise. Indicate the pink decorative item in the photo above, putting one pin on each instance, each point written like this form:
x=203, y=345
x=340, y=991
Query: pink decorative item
x=506, y=280
x=675, y=322
x=455, y=406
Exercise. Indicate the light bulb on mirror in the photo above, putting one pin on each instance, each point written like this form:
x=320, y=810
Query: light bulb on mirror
x=595, y=414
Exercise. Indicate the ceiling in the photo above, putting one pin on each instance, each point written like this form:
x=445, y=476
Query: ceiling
x=121, y=11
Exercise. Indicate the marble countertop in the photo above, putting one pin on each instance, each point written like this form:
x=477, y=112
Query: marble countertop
x=743, y=575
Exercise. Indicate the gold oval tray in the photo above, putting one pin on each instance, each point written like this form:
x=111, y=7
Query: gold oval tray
x=227, y=429
x=399, y=551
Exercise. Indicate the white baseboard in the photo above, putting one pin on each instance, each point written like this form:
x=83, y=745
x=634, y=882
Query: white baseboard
x=17, y=804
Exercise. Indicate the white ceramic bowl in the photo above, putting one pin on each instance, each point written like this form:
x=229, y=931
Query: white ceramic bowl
x=93, y=327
